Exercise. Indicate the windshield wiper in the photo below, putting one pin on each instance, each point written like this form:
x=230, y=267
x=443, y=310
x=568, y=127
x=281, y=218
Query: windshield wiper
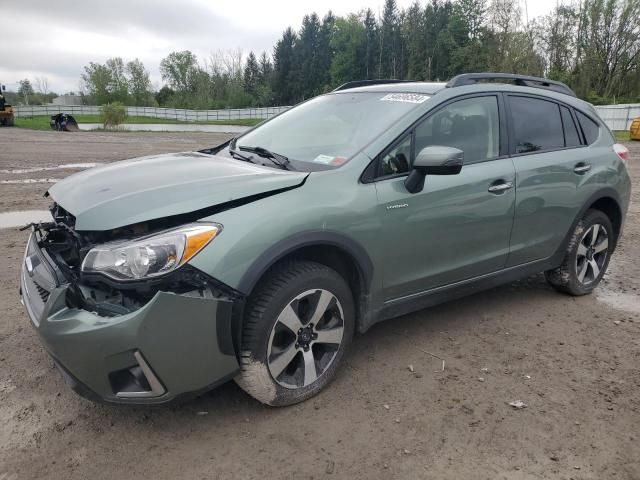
x=277, y=158
x=239, y=156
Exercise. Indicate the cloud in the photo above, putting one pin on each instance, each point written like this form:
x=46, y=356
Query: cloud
x=57, y=39
x=154, y=16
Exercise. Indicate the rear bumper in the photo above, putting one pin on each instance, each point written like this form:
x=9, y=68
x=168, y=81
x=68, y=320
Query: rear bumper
x=175, y=345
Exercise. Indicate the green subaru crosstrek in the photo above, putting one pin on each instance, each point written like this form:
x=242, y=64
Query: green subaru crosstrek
x=260, y=258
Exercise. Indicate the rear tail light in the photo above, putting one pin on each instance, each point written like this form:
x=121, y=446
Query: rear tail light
x=622, y=152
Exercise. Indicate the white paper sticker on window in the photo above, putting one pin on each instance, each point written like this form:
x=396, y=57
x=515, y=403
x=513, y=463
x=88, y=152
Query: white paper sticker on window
x=405, y=97
x=326, y=159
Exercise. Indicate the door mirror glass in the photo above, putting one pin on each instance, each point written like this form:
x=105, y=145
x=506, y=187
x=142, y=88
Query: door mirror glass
x=438, y=160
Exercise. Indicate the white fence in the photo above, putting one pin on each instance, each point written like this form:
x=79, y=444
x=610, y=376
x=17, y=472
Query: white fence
x=617, y=117
x=170, y=113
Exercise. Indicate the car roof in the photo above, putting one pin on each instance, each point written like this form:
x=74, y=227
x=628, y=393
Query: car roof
x=427, y=88
x=432, y=88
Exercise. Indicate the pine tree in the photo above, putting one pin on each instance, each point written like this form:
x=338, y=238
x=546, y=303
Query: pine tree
x=414, y=28
x=371, y=50
x=265, y=81
x=389, y=41
x=283, y=67
x=265, y=70
x=325, y=52
x=306, y=56
x=251, y=76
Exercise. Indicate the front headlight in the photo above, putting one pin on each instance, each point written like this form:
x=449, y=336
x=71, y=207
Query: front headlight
x=149, y=256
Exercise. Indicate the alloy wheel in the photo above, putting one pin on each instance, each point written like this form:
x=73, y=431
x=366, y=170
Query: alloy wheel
x=592, y=254
x=305, y=338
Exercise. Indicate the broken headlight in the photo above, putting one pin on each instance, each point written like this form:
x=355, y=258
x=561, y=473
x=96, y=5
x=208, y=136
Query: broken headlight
x=149, y=256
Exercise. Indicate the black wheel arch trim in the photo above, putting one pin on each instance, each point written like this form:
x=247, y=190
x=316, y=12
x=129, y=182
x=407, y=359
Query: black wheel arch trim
x=301, y=240
x=605, y=193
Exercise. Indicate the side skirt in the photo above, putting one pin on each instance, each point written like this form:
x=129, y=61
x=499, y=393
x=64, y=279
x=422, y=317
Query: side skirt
x=418, y=301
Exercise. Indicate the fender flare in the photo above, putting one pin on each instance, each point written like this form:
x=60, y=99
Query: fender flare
x=310, y=238
x=599, y=195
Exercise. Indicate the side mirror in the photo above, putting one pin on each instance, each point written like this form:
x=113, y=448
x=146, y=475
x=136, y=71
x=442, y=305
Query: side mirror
x=434, y=160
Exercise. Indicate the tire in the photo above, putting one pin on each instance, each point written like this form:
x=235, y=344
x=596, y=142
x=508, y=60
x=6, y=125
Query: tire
x=587, y=256
x=284, y=340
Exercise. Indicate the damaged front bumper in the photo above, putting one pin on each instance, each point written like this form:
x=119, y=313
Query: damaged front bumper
x=172, y=346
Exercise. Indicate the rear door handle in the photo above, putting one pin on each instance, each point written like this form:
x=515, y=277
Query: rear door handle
x=500, y=187
x=582, y=168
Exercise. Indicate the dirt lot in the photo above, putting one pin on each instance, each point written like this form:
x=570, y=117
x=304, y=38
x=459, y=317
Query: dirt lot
x=573, y=361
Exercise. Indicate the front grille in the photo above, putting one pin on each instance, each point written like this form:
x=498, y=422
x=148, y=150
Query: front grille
x=44, y=293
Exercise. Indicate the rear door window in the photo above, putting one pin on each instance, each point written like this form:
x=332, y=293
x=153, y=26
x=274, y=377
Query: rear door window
x=536, y=124
x=590, y=128
x=571, y=137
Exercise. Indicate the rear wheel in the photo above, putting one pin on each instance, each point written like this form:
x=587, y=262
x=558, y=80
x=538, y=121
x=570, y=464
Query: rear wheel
x=587, y=256
x=298, y=325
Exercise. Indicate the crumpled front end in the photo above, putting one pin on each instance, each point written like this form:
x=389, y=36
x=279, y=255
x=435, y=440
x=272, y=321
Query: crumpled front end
x=135, y=345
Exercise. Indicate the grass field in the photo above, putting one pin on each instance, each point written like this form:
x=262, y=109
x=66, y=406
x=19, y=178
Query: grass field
x=621, y=135
x=42, y=122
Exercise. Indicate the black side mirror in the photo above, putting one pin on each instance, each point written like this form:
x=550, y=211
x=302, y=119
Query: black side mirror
x=4, y=87
x=434, y=160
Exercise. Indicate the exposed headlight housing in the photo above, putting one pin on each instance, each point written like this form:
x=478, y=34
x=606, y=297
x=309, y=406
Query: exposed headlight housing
x=150, y=256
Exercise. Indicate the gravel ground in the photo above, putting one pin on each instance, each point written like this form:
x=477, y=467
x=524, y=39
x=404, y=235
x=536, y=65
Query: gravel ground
x=573, y=361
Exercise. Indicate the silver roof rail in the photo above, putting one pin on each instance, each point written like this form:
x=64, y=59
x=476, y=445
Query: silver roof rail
x=521, y=80
x=366, y=83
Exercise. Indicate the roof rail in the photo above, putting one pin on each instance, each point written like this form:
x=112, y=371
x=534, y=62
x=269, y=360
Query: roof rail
x=365, y=83
x=521, y=80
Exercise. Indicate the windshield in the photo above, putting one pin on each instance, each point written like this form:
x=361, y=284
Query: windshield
x=330, y=129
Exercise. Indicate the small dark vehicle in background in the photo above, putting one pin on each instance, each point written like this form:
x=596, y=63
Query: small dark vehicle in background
x=63, y=122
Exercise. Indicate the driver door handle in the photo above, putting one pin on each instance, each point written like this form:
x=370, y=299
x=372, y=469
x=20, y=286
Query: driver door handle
x=582, y=168
x=500, y=186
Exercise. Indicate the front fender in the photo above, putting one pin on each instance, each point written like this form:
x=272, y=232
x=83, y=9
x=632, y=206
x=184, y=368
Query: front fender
x=306, y=239
x=330, y=209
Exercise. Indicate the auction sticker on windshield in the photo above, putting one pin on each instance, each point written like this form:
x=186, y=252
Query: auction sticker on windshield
x=405, y=97
x=326, y=159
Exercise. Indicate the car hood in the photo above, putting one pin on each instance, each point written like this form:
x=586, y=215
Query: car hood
x=147, y=188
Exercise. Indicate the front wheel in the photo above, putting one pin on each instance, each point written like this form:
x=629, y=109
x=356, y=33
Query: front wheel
x=298, y=325
x=587, y=256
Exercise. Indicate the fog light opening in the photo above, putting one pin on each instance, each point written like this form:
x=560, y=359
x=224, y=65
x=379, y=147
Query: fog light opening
x=138, y=381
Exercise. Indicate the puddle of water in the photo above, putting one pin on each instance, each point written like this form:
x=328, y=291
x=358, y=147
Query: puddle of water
x=23, y=217
x=57, y=167
x=31, y=180
x=627, y=302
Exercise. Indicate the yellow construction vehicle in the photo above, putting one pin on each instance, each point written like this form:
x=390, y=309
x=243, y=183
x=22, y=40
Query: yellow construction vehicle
x=634, y=131
x=6, y=112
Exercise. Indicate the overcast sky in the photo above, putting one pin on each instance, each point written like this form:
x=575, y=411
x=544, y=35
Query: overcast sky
x=55, y=39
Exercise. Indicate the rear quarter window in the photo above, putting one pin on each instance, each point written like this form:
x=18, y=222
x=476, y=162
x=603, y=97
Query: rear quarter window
x=590, y=129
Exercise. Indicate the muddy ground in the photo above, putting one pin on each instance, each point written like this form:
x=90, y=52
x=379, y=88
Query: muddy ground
x=573, y=361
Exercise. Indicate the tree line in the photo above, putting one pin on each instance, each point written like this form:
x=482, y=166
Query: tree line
x=592, y=45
